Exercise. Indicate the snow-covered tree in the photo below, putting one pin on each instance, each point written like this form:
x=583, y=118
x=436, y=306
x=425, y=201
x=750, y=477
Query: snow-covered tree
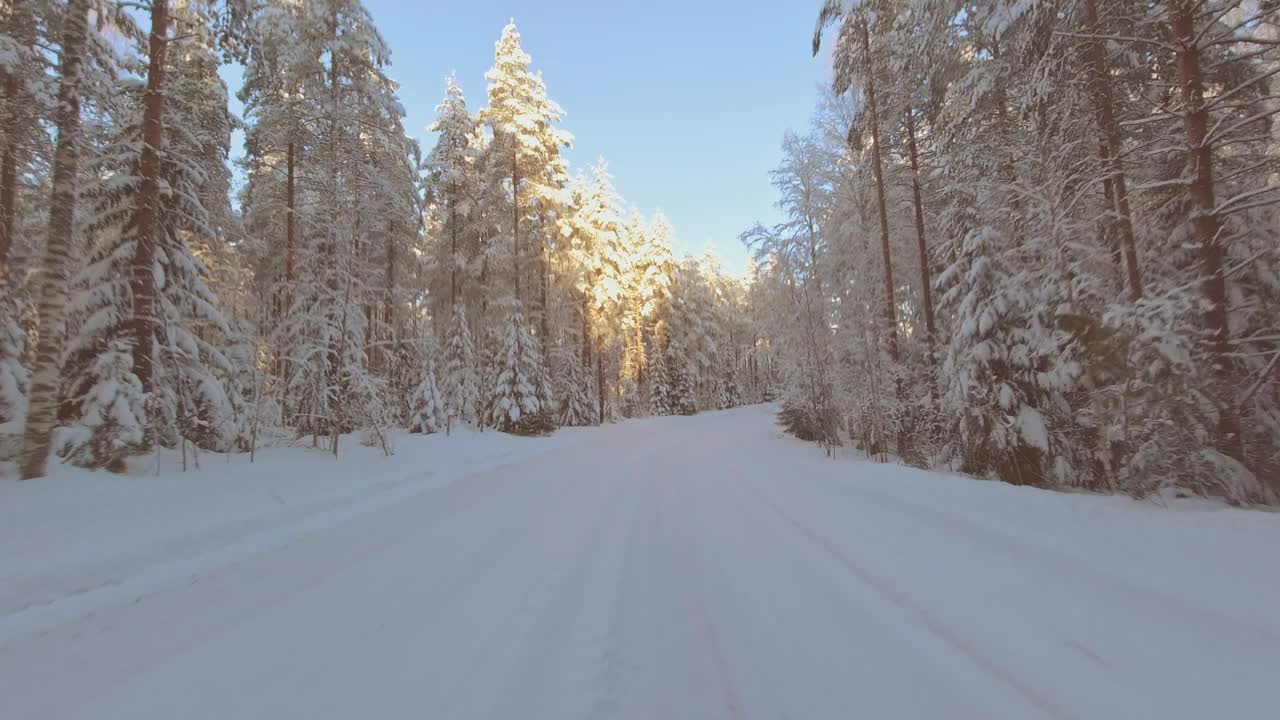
x=332, y=201
x=525, y=154
x=684, y=398
x=452, y=177
x=660, y=399
x=461, y=382
x=26, y=98
x=429, y=410
x=594, y=232
x=514, y=396
x=1101, y=321
x=183, y=360
x=303, y=307
x=992, y=363
x=575, y=389
x=14, y=382
x=112, y=424
x=55, y=261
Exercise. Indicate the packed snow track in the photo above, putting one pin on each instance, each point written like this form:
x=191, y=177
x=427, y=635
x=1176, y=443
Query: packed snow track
x=698, y=568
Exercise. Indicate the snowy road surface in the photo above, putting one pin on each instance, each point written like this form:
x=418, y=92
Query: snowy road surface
x=693, y=568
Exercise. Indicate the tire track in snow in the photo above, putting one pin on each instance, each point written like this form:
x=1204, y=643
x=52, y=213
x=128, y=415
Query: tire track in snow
x=1033, y=554
x=558, y=604
x=226, y=546
x=695, y=586
x=556, y=637
x=1047, y=706
x=528, y=586
x=609, y=670
x=220, y=598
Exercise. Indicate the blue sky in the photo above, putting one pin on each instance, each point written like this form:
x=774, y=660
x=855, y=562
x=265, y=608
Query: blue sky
x=687, y=100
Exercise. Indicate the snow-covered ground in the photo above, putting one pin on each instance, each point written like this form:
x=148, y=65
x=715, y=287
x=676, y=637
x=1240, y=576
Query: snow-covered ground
x=699, y=568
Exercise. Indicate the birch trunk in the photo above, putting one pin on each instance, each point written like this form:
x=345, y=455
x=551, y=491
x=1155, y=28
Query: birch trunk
x=52, y=280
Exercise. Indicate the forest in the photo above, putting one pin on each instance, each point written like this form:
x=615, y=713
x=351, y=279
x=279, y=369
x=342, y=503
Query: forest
x=1037, y=240
x=357, y=282
x=1032, y=240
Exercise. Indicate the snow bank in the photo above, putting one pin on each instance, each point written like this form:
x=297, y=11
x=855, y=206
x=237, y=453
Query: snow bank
x=79, y=532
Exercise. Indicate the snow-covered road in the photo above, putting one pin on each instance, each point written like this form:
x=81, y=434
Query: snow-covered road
x=692, y=568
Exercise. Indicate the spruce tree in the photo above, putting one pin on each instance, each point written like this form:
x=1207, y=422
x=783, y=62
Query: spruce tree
x=429, y=408
x=575, y=391
x=14, y=381
x=452, y=179
x=112, y=423
x=461, y=382
x=514, y=396
x=684, y=395
x=663, y=391
x=184, y=358
x=333, y=193
x=525, y=153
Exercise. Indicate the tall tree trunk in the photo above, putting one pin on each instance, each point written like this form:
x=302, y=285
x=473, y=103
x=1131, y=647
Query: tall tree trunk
x=290, y=212
x=52, y=284
x=8, y=170
x=453, y=244
x=483, y=320
x=891, y=313
x=600, y=372
x=337, y=346
x=1010, y=169
x=586, y=329
x=142, y=284
x=389, y=300
x=640, y=358
x=1205, y=222
x=282, y=297
x=1109, y=202
x=515, y=224
x=599, y=358
x=544, y=326
x=1104, y=109
x=922, y=245
x=18, y=25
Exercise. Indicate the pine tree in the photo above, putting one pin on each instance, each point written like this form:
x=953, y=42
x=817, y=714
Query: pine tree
x=857, y=63
x=14, y=381
x=577, y=403
x=594, y=228
x=277, y=67
x=183, y=360
x=730, y=393
x=661, y=398
x=451, y=177
x=991, y=364
x=338, y=276
x=684, y=395
x=254, y=412
x=24, y=106
x=514, y=398
x=113, y=422
x=429, y=407
x=525, y=149
x=142, y=277
x=461, y=383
